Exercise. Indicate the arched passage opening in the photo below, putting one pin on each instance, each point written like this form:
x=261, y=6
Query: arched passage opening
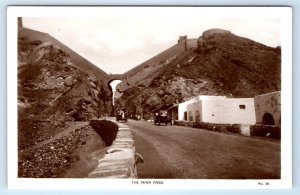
x=113, y=84
x=268, y=119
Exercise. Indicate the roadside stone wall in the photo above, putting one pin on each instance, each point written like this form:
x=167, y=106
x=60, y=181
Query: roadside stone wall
x=119, y=160
x=266, y=130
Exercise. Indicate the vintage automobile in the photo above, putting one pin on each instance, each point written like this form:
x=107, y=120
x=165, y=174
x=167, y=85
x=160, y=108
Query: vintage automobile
x=162, y=117
x=121, y=115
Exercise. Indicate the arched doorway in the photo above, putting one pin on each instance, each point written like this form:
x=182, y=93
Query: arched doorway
x=190, y=116
x=185, y=116
x=268, y=119
x=197, y=116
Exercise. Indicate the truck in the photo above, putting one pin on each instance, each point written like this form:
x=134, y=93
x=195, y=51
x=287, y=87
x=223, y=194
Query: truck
x=162, y=117
x=121, y=115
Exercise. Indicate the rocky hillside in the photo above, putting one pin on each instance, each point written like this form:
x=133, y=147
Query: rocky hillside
x=222, y=64
x=53, y=89
x=142, y=74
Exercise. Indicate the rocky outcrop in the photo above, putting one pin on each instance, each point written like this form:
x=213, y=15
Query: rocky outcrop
x=52, y=89
x=52, y=85
x=214, y=31
x=222, y=64
x=139, y=75
x=49, y=52
x=69, y=81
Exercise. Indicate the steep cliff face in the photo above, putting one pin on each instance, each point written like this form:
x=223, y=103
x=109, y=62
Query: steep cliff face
x=50, y=84
x=52, y=88
x=222, y=64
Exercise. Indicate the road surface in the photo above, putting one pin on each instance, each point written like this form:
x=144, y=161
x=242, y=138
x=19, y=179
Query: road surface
x=183, y=152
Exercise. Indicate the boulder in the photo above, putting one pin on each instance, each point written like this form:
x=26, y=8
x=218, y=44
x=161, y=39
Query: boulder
x=214, y=31
x=92, y=84
x=69, y=81
x=95, y=92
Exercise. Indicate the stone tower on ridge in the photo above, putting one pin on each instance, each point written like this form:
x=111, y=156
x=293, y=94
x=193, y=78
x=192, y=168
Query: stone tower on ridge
x=183, y=41
x=20, y=22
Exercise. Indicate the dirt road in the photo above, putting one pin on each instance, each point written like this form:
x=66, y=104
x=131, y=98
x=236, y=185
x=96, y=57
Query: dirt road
x=183, y=152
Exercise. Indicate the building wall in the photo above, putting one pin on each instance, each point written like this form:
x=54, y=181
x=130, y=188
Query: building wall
x=191, y=43
x=173, y=113
x=182, y=39
x=223, y=111
x=187, y=43
x=268, y=103
x=182, y=107
x=229, y=111
x=193, y=108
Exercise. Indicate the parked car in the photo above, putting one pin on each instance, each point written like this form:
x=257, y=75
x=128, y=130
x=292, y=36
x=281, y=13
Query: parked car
x=162, y=117
x=121, y=115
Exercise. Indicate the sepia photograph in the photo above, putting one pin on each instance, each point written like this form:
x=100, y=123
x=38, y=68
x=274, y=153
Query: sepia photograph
x=160, y=96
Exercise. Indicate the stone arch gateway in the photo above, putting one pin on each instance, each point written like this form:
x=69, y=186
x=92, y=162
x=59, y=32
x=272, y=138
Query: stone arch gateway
x=268, y=119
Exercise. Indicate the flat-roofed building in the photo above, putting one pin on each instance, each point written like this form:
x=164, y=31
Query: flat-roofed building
x=179, y=111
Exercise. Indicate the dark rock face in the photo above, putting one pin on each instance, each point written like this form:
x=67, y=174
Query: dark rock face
x=249, y=68
x=51, y=85
x=52, y=89
x=222, y=64
x=55, y=86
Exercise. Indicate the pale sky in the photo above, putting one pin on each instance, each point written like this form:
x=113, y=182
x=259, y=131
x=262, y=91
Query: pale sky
x=118, y=39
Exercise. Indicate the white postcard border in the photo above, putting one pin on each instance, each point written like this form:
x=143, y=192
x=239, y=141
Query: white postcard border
x=284, y=13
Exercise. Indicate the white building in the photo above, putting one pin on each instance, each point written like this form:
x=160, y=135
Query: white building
x=179, y=111
x=222, y=111
x=263, y=109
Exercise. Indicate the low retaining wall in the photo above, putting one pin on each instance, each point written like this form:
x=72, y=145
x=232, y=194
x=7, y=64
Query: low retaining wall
x=266, y=130
x=119, y=160
x=243, y=129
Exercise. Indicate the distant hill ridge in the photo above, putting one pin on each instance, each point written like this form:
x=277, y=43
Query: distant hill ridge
x=183, y=44
x=141, y=73
x=172, y=51
x=180, y=47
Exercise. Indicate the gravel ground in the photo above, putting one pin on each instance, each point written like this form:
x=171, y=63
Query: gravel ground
x=54, y=158
x=32, y=132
